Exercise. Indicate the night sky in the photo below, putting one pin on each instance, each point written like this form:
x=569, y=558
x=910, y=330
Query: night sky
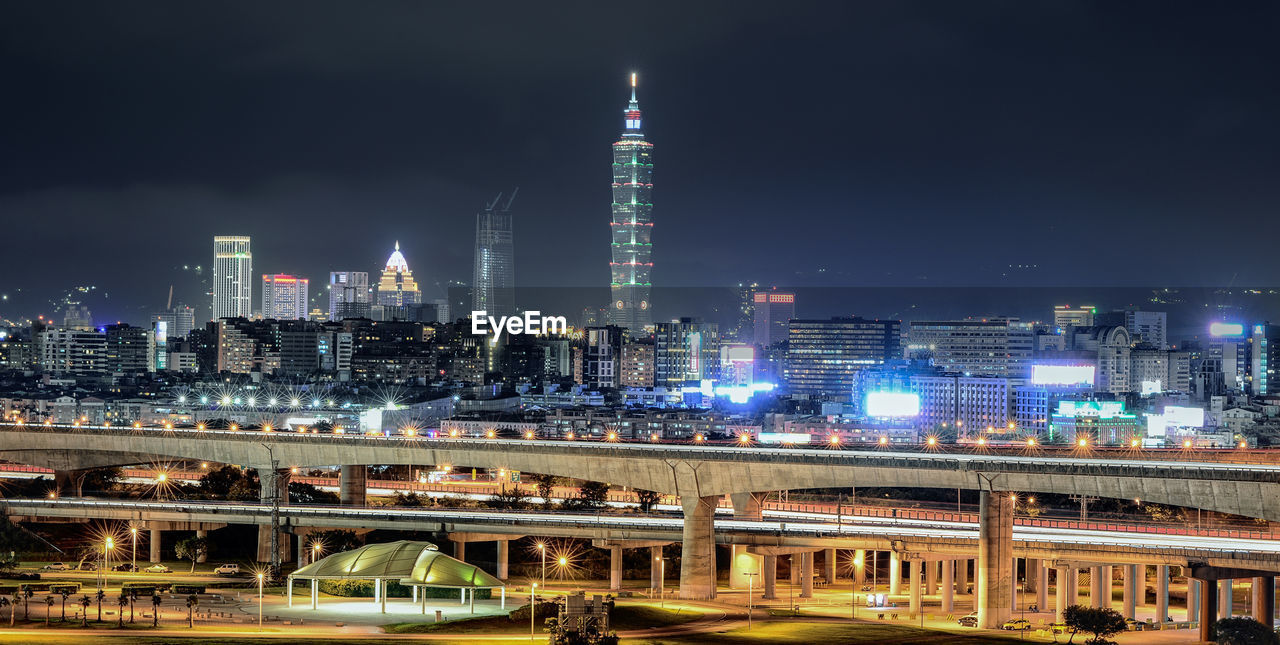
x=835, y=143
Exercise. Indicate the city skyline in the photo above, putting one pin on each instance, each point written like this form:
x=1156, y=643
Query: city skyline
x=1026, y=147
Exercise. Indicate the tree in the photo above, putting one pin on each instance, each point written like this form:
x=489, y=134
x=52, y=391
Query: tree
x=591, y=495
x=1099, y=621
x=27, y=593
x=512, y=498
x=100, y=480
x=545, y=486
x=303, y=493
x=192, y=601
x=1243, y=631
x=133, y=597
x=122, y=601
x=48, y=609
x=155, y=609
x=192, y=548
x=101, y=594
x=84, y=617
x=647, y=499
x=407, y=499
x=65, y=593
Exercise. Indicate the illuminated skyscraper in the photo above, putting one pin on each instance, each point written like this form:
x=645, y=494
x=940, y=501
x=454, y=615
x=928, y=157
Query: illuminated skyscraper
x=284, y=297
x=232, y=277
x=632, y=224
x=494, y=278
x=397, y=288
x=349, y=295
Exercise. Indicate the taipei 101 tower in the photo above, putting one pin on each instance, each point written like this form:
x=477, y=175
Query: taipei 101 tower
x=632, y=224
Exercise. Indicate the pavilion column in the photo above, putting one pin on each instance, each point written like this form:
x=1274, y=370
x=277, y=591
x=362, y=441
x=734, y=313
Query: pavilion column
x=1162, y=593
x=895, y=573
x=770, y=577
x=504, y=547
x=315, y=593
x=382, y=584
x=948, y=586
x=1208, y=608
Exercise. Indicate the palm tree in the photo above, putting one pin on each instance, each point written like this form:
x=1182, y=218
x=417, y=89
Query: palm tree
x=27, y=593
x=192, y=601
x=100, y=595
x=122, y=601
x=65, y=593
x=133, y=597
x=48, y=609
x=84, y=618
x=155, y=604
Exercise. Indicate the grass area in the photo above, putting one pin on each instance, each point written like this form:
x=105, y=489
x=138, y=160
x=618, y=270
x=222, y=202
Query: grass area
x=801, y=632
x=625, y=617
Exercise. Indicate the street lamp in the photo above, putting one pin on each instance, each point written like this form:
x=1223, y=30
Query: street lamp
x=533, y=607
x=543, y=548
x=259, y=601
x=107, y=547
x=751, y=592
x=133, y=531
x=315, y=552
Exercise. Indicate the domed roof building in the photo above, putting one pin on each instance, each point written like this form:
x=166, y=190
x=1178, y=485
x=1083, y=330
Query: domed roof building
x=397, y=286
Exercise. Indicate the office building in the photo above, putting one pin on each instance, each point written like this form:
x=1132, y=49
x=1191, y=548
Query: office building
x=232, y=277
x=178, y=321
x=824, y=356
x=631, y=245
x=602, y=357
x=975, y=347
x=1067, y=316
x=685, y=351
x=1150, y=327
x=397, y=286
x=284, y=297
x=1265, y=360
x=130, y=350
x=493, y=280
x=349, y=295
x=72, y=352
x=77, y=317
x=637, y=364
x=772, y=311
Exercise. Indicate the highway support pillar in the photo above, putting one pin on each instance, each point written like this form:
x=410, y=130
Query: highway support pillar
x=860, y=563
x=1041, y=576
x=504, y=557
x=806, y=574
x=995, y=559
x=1224, y=598
x=460, y=551
x=1130, y=589
x=1208, y=608
x=203, y=557
x=1062, y=578
x=1095, y=587
x=1032, y=581
x=69, y=483
x=154, y=544
x=1264, y=600
x=353, y=485
x=742, y=566
x=895, y=573
x=1162, y=593
x=770, y=577
x=615, y=568
x=829, y=566
x=794, y=571
x=697, y=549
x=948, y=586
x=655, y=570
x=1194, y=591
x=962, y=576
x=915, y=575
x=930, y=579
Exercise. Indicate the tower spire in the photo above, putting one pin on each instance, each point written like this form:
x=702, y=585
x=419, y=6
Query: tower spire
x=633, y=87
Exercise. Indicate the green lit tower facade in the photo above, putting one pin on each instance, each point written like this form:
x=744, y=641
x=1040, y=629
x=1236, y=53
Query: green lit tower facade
x=632, y=224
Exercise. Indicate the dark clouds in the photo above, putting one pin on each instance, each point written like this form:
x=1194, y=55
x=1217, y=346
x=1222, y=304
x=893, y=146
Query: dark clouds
x=883, y=142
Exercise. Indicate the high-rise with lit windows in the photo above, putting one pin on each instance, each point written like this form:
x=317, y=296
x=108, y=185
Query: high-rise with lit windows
x=232, y=277
x=494, y=276
x=397, y=287
x=284, y=296
x=632, y=225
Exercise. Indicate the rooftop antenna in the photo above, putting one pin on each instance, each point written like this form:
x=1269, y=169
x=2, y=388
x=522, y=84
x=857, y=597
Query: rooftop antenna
x=169, y=303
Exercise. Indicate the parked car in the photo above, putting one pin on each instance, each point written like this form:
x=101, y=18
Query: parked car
x=127, y=567
x=1062, y=628
x=57, y=566
x=1017, y=624
x=158, y=568
x=969, y=620
x=1134, y=625
x=227, y=569
x=88, y=566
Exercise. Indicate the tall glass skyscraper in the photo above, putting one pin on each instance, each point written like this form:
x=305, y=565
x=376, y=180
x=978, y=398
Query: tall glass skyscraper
x=232, y=277
x=632, y=224
x=494, y=278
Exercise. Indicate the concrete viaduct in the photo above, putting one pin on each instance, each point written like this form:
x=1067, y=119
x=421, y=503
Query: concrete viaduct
x=699, y=475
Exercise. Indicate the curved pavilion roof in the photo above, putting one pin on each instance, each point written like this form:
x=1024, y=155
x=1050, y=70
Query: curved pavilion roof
x=406, y=561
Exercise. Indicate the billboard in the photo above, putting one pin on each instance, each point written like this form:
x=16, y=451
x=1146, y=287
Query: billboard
x=783, y=437
x=893, y=404
x=1185, y=417
x=1226, y=330
x=1100, y=409
x=1062, y=375
x=1151, y=387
